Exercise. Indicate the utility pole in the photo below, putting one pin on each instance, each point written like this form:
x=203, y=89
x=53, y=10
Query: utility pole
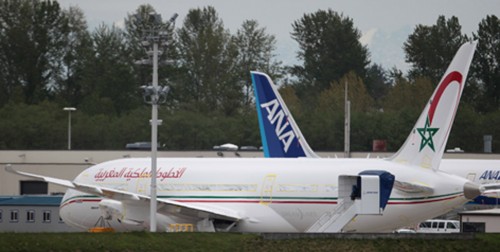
x=347, y=125
x=154, y=95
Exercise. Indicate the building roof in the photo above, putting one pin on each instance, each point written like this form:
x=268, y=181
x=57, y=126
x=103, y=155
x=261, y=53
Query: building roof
x=493, y=211
x=31, y=200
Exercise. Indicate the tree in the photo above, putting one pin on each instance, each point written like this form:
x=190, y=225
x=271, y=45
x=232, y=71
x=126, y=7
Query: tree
x=358, y=95
x=109, y=84
x=255, y=53
x=41, y=126
x=32, y=38
x=77, y=51
x=325, y=124
x=401, y=108
x=487, y=63
x=140, y=26
x=467, y=131
x=377, y=82
x=208, y=61
x=429, y=49
x=329, y=47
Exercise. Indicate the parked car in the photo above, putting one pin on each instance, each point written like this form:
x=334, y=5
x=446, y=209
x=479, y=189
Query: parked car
x=439, y=226
x=140, y=146
x=405, y=231
x=144, y=146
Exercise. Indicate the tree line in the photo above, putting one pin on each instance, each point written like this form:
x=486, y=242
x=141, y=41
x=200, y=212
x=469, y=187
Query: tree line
x=49, y=59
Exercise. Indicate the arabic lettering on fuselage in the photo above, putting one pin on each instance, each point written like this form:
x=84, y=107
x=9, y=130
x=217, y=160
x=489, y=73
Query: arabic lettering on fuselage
x=134, y=173
x=490, y=175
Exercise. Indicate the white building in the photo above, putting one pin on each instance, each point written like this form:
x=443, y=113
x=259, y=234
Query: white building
x=31, y=214
x=481, y=221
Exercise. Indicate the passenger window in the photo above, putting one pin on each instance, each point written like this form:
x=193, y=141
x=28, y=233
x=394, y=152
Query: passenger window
x=441, y=224
x=425, y=224
x=434, y=225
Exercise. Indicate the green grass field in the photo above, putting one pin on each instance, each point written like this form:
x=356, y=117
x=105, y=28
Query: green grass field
x=142, y=241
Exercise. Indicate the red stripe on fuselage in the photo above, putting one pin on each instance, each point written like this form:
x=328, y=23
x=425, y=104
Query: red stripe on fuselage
x=258, y=201
x=422, y=201
x=408, y=202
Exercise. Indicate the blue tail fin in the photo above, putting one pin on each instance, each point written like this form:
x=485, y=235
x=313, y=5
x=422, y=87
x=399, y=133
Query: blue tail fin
x=280, y=134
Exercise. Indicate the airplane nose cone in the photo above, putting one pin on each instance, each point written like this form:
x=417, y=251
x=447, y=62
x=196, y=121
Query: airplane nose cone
x=471, y=190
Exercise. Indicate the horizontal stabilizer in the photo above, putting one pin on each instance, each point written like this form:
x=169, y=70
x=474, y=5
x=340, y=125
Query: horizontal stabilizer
x=490, y=188
x=408, y=187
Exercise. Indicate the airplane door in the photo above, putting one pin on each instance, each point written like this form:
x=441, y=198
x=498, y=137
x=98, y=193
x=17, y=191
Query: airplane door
x=142, y=185
x=266, y=195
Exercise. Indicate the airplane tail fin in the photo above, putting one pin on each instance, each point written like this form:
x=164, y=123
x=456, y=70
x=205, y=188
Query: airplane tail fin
x=426, y=143
x=281, y=137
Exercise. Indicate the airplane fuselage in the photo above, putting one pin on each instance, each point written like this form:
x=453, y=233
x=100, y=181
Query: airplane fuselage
x=273, y=195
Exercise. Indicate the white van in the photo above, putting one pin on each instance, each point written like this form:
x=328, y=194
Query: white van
x=439, y=226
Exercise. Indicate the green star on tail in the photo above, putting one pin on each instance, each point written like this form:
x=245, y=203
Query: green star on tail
x=429, y=132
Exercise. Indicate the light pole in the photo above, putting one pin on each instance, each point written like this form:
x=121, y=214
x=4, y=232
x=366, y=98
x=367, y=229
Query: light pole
x=154, y=95
x=69, y=109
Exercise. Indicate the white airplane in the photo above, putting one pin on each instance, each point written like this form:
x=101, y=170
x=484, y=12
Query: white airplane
x=283, y=195
x=282, y=138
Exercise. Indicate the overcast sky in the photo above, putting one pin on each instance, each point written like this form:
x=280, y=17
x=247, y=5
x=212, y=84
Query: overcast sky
x=369, y=16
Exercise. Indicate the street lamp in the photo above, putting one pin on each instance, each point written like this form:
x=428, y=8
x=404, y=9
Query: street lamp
x=154, y=94
x=69, y=109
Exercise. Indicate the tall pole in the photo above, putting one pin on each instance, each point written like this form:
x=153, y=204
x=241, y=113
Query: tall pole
x=69, y=109
x=154, y=95
x=154, y=136
x=347, y=126
x=69, y=130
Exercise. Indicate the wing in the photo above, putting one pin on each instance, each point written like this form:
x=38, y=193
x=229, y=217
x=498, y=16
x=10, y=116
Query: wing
x=165, y=206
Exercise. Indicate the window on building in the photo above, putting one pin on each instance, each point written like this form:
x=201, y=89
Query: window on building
x=46, y=216
x=30, y=216
x=34, y=187
x=14, y=216
x=473, y=227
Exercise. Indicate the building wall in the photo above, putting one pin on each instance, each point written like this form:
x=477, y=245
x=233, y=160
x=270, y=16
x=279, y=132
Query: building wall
x=492, y=222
